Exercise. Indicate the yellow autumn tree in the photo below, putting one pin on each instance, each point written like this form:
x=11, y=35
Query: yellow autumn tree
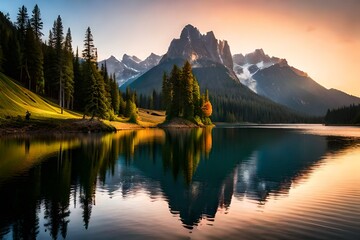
x=206, y=109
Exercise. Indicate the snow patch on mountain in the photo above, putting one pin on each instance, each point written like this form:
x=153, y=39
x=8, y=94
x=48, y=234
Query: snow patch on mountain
x=130, y=67
x=245, y=76
x=245, y=67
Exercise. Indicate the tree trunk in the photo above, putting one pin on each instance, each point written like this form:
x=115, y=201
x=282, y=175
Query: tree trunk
x=60, y=93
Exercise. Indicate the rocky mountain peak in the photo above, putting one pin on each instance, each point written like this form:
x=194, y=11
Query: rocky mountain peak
x=190, y=33
x=130, y=58
x=199, y=48
x=257, y=56
x=112, y=59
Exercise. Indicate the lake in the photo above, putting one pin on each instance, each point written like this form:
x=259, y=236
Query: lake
x=228, y=182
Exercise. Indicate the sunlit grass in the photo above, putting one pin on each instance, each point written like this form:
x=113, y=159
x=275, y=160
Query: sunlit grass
x=16, y=100
x=150, y=118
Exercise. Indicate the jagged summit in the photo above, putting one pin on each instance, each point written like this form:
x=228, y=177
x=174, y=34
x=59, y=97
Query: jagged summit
x=199, y=48
x=255, y=57
x=190, y=33
x=112, y=58
x=130, y=58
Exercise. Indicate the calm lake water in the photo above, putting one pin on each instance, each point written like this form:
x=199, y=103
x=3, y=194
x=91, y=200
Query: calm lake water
x=230, y=182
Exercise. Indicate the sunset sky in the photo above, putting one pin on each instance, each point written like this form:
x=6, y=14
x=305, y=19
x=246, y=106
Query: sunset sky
x=320, y=37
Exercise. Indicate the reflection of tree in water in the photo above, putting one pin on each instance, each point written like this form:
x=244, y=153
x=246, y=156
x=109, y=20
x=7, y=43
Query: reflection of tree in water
x=49, y=185
x=56, y=192
x=182, y=151
x=180, y=156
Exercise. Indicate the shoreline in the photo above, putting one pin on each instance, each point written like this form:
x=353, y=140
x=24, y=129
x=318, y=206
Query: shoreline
x=52, y=127
x=20, y=127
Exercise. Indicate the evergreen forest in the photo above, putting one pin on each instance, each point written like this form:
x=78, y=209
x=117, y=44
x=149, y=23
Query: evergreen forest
x=344, y=115
x=54, y=70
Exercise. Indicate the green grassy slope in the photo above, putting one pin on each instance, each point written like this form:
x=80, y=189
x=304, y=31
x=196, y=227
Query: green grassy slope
x=16, y=100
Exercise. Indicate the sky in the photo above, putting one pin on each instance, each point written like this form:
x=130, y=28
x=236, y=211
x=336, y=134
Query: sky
x=320, y=37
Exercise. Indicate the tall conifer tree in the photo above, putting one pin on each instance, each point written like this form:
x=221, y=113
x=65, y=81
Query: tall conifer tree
x=68, y=71
x=58, y=38
x=21, y=22
x=187, y=87
x=36, y=22
x=97, y=103
x=33, y=61
x=175, y=79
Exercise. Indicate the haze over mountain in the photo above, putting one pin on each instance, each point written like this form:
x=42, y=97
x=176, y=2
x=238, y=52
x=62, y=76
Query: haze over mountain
x=130, y=67
x=273, y=78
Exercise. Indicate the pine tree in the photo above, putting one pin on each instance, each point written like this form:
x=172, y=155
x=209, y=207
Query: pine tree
x=80, y=86
x=106, y=78
x=115, y=98
x=58, y=38
x=187, y=86
x=131, y=111
x=122, y=104
x=22, y=20
x=96, y=104
x=36, y=22
x=68, y=71
x=89, y=52
x=50, y=72
x=33, y=61
x=175, y=77
x=167, y=94
x=196, y=98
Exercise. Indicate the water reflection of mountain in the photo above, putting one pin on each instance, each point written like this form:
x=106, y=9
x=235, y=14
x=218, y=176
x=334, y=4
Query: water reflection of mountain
x=242, y=162
x=197, y=171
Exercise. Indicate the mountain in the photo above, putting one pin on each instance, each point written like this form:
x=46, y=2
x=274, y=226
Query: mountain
x=206, y=55
x=273, y=78
x=130, y=67
x=200, y=50
x=246, y=66
x=212, y=64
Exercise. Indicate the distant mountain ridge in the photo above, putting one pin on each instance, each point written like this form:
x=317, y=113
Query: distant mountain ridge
x=273, y=78
x=130, y=67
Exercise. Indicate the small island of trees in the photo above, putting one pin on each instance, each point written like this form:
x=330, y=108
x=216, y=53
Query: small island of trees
x=181, y=96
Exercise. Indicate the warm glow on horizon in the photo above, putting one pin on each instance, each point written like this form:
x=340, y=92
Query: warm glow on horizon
x=319, y=37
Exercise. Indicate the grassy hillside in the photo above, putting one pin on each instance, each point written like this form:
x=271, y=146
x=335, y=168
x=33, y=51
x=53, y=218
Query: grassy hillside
x=46, y=118
x=16, y=100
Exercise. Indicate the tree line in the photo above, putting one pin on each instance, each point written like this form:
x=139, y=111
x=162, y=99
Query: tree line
x=53, y=70
x=344, y=115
